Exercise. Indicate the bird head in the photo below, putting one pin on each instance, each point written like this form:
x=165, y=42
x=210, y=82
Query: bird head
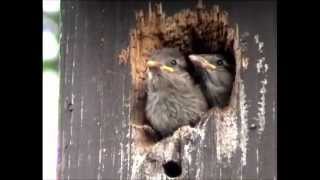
x=167, y=65
x=167, y=61
x=215, y=64
x=210, y=62
x=216, y=73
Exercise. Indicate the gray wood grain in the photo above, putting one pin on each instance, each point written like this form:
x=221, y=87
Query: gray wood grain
x=94, y=137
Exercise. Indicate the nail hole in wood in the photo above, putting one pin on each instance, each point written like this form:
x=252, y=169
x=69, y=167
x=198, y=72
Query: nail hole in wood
x=172, y=169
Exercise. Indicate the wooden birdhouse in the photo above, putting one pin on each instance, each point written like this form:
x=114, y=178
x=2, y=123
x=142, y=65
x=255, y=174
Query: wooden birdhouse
x=104, y=49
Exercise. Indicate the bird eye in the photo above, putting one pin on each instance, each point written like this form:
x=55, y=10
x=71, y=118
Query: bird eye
x=220, y=62
x=173, y=62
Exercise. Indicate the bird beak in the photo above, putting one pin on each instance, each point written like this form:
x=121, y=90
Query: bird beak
x=167, y=68
x=153, y=64
x=156, y=64
x=201, y=62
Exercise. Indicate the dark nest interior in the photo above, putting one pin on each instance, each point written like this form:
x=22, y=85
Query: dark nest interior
x=198, y=30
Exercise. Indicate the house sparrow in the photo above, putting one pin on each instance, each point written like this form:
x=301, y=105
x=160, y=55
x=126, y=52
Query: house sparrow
x=173, y=100
x=216, y=77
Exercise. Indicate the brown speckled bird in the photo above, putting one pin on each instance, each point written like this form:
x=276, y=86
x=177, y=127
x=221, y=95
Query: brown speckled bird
x=173, y=99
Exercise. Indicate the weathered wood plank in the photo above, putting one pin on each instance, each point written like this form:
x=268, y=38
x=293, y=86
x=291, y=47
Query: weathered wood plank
x=94, y=115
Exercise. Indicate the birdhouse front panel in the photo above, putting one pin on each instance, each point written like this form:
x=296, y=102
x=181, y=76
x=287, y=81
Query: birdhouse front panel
x=168, y=90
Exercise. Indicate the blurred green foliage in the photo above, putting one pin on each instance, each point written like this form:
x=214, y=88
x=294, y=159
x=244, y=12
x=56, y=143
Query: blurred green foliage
x=50, y=65
x=53, y=64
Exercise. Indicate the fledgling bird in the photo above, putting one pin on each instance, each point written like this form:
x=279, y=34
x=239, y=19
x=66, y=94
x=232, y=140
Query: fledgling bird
x=216, y=77
x=173, y=99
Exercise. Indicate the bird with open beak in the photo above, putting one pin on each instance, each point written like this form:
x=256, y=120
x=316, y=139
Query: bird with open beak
x=173, y=100
x=216, y=77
